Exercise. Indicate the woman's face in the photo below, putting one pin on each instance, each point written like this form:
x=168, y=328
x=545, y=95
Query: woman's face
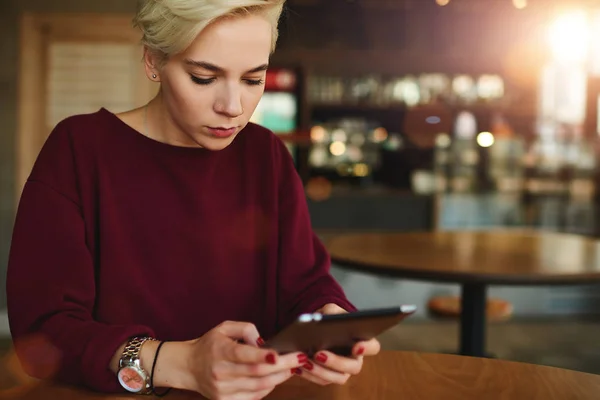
x=212, y=89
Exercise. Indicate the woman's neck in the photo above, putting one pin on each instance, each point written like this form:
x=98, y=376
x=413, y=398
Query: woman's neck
x=159, y=125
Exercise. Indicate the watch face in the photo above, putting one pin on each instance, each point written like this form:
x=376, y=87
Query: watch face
x=131, y=379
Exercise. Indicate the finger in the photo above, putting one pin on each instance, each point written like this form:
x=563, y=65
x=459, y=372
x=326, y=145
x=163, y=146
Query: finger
x=325, y=374
x=241, y=330
x=261, y=395
x=366, y=348
x=237, y=353
x=250, y=395
x=250, y=384
x=331, y=309
x=309, y=376
x=344, y=365
x=284, y=363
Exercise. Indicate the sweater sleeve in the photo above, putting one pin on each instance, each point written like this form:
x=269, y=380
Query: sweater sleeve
x=51, y=284
x=305, y=282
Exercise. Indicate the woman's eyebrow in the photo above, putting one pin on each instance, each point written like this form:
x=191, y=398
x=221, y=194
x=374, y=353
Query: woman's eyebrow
x=214, y=68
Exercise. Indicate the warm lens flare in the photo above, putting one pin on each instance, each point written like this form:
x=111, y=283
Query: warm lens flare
x=485, y=139
x=520, y=4
x=318, y=189
x=569, y=36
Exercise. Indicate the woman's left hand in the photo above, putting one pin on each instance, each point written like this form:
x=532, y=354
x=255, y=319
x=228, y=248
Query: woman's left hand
x=326, y=367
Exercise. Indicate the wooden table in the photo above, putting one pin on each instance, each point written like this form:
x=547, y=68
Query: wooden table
x=405, y=376
x=473, y=259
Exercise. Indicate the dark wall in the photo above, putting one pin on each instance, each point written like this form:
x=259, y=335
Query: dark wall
x=417, y=37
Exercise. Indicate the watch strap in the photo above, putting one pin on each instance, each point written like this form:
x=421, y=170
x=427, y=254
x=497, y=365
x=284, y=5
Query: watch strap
x=131, y=358
x=133, y=347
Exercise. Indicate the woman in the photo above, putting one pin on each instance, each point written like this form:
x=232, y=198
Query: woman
x=171, y=221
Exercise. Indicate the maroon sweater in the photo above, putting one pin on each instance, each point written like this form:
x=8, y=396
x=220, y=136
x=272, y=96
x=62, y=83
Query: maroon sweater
x=119, y=235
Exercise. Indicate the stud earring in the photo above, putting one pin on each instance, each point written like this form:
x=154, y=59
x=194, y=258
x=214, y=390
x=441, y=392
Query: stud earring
x=153, y=76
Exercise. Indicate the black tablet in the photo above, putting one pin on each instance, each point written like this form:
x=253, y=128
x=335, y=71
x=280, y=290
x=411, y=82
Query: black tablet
x=337, y=333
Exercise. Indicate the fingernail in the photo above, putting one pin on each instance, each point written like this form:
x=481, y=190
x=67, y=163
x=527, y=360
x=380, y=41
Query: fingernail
x=270, y=358
x=302, y=358
x=308, y=366
x=360, y=351
x=260, y=342
x=296, y=371
x=321, y=357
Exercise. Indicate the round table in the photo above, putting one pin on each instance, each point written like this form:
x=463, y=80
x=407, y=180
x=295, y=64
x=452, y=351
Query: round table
x=474, y=259
x=402, y=375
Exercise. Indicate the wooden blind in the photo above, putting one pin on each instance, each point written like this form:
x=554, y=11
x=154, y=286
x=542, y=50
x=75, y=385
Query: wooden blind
x=82, y=77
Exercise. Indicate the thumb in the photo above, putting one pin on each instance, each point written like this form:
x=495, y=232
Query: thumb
x=244, y=331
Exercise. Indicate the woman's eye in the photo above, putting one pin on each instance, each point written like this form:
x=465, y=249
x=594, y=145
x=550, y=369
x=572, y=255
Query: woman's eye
x=202, y=81
x=255, y=82
x=208, y=81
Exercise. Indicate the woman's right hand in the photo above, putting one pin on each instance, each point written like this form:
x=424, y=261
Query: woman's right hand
x=223, y=368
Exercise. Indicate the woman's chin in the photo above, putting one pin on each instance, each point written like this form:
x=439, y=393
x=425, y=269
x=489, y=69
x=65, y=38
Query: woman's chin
x=216, y=143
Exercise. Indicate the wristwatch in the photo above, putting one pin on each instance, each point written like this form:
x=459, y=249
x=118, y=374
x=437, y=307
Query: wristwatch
x=131, y=375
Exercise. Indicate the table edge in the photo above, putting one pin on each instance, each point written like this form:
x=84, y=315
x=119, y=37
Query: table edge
x=409, y=272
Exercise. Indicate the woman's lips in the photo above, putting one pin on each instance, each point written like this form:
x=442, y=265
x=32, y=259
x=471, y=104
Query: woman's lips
x=222, y=132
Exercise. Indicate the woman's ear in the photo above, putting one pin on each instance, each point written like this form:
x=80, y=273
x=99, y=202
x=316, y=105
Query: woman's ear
x=151, y=63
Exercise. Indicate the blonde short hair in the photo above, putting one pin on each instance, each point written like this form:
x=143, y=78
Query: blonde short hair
x=170, y=26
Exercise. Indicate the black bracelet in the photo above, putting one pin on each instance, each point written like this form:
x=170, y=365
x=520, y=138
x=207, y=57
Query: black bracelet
x=152, y=374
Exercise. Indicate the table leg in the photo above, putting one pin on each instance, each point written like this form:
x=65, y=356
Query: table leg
x=472, y=320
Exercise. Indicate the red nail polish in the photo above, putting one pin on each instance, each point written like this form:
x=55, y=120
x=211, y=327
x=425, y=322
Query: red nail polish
x=360, y=351
x=297, y=371
x=302, y=358
x=270, y=358
x=321, y=357
x=308, y=366
x=260, y=342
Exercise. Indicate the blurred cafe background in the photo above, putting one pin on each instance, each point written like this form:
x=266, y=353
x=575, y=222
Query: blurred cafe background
x=401, y=115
